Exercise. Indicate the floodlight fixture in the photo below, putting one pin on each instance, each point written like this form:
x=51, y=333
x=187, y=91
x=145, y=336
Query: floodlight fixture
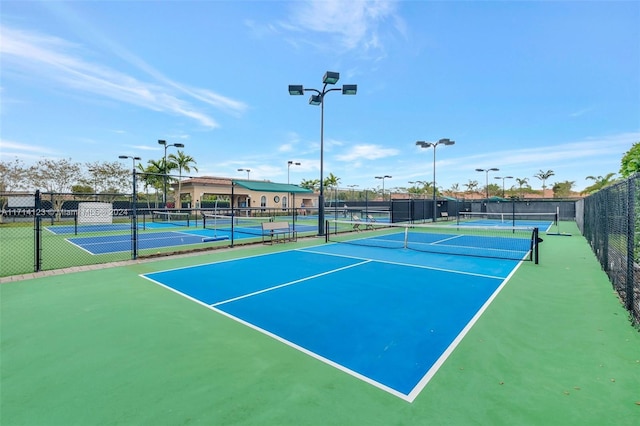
x=315, y=100
x=296, y=89
x=492, y=169
x=331, y=77
x=245, y=170
x=289, y=164
x=503, y=179
x=383, y=178
x=349, y=89
x=423, y=144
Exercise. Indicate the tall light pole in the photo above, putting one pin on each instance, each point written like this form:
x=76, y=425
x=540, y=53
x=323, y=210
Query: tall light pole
x=503, y=178
x=493, y=169
x=164, y=165
x=289, y=164
x=134, y=159
x=245, y=170
x=383, y=178
x=330, y=77
x=423, y=144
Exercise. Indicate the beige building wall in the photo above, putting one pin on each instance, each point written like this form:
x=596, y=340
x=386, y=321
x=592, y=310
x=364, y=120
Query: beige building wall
x=194, y=189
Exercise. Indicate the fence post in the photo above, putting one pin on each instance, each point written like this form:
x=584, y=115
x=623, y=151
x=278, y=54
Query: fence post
x=37, y=233
x=134, y=219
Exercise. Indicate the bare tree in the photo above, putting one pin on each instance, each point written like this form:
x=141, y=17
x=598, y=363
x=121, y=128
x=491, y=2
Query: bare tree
x=55, y=176
x=13, y=177
x=108, y=177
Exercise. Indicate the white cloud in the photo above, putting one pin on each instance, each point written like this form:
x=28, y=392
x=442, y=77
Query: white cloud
x=368, y=152
x=354, y=23
x=51, y=58
x=22, y=147
x=287, y=147
x=580, y=112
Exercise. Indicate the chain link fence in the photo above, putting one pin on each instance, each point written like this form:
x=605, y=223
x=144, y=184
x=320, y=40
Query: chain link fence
x=610, y=221
x=47, y=231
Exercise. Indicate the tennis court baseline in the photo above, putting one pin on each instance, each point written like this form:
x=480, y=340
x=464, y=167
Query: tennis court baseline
x=387, y=317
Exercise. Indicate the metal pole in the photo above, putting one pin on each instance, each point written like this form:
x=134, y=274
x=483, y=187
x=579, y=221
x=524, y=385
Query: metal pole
x=134, y=217
x=37, y=233
x=164, y=167
x=487, y=184
x=321, y=196
x=435, y=209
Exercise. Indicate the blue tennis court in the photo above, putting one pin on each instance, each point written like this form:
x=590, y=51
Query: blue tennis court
x=118, y=243
x=107, y=227
x=387, y=317
x=114, y=243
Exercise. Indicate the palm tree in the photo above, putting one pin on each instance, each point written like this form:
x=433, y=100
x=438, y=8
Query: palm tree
x=332, y=180
x=153, y=176
x=600, y=182
x=543, y=176
x=312, y=184
x=183, y=162
x=455, y=188
x=522, y=183
x=472, y=186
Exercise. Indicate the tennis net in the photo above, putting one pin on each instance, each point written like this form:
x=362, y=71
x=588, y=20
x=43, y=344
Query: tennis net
x=172, y=218
x=511, y=218
x=515, y=242
x=241, y=224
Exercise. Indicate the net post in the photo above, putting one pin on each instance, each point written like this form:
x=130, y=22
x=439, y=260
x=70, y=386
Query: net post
x=406, y=237
x=75, y=223
x=537, y=243
x=326, y=231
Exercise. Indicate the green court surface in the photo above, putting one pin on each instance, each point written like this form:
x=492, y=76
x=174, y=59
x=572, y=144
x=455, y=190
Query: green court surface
x=107, y=347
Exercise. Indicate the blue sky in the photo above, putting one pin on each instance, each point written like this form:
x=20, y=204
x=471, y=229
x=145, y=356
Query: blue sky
x=520, y=86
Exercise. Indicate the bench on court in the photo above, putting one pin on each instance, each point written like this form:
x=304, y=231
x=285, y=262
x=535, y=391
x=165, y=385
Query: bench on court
x=278, y=232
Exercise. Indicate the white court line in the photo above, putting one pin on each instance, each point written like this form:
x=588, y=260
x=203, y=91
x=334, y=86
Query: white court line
x=413, y=394
x=440, y=361
x=332, y=271
x=319, y=357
